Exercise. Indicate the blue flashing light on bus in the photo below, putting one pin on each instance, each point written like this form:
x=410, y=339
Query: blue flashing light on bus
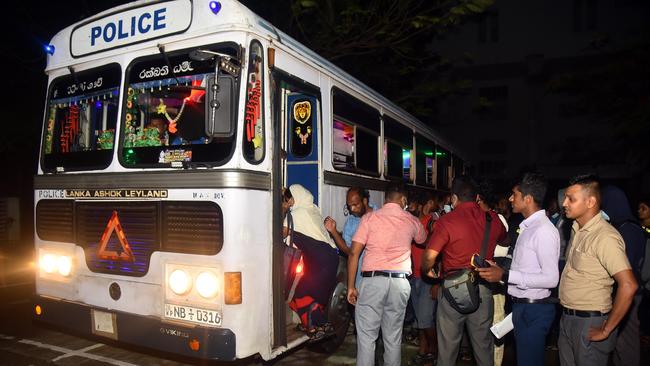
x=49, y=49
x=215, y=6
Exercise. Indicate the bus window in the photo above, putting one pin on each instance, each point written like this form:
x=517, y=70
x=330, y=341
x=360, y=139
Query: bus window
x=355, y=134
x=81, y=118
x=253, y=139
x=424, y=158
x=457, y=164
x=343, y=145
x=398, y=150
x=443, y=163
x=367, y=155
x=302, y=111
x=164, y=118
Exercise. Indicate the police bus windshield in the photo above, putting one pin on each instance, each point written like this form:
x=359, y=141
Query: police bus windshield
x=164, y=111
x=80, y=120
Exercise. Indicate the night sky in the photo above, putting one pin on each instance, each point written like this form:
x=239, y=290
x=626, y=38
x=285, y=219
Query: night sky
x=29, y=25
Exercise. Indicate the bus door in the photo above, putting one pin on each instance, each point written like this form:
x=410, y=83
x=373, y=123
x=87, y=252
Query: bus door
x=297, y=110
x=301, y=119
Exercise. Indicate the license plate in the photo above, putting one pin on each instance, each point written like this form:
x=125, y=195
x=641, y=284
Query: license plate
x=194, y=315
x=104, y=324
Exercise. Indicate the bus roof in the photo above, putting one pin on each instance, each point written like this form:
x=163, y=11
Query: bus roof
x=137, y=25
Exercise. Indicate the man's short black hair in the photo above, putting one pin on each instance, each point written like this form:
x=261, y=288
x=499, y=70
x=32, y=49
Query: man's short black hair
x=588, y=182
x=464, y=187
x=486, y=192
x=425, y=197
x=393, y=190
x=363, y=193
x=286, y=194
x=533, y=184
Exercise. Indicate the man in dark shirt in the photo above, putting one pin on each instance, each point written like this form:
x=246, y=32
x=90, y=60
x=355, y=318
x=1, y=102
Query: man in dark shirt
x=457, y=236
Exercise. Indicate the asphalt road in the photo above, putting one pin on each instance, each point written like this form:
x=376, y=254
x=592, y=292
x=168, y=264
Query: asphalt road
x=24, y=342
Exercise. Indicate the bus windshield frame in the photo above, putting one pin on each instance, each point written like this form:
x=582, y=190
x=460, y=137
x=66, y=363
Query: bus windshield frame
x=163, y=114
x=80, y=120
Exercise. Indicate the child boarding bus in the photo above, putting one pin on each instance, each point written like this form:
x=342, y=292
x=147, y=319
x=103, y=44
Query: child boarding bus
x=158, y=193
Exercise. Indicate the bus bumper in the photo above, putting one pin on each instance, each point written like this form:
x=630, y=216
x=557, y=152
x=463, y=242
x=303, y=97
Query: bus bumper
x=150, y=332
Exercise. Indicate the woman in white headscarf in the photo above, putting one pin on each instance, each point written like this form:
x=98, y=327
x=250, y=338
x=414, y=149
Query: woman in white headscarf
x=320, y=260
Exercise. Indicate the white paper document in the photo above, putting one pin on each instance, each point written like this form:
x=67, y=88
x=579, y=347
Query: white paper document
x=503, y=327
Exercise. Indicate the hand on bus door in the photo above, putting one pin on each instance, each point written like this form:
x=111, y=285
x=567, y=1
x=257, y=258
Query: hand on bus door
x=352, y=295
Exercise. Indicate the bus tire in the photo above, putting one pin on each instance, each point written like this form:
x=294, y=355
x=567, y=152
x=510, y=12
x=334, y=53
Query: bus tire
x=339, y=316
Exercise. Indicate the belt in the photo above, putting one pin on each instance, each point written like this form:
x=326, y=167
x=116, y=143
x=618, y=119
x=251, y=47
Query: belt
x=384, y=274
x=583, y=313
x=523, y=300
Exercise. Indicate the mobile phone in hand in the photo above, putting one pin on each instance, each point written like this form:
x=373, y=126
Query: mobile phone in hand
x=479, y=262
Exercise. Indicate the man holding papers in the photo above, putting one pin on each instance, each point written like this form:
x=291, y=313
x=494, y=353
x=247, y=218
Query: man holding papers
x=534, y=271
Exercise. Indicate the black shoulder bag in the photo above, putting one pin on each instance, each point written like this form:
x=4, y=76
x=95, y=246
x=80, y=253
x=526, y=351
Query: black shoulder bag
x=460, y=287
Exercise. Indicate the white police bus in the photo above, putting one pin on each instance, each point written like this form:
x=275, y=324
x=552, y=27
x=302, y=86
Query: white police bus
x=157, y=196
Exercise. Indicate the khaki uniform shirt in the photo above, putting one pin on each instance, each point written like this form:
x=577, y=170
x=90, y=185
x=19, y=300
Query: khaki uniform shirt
x=596, y=253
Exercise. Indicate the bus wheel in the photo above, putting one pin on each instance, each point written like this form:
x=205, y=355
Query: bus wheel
x=339, y=317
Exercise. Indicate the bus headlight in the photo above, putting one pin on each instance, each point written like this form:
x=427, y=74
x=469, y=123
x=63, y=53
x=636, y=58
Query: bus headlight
x=48, y=263
x=180, y=282
x=55, y=264
x=64, y=264
x=207, y=284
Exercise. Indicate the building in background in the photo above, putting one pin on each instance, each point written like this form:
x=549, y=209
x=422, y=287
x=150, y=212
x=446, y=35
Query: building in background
x=511, y=117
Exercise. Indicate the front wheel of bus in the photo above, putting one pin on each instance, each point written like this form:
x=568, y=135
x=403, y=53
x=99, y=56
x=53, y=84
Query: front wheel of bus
x=339, y=317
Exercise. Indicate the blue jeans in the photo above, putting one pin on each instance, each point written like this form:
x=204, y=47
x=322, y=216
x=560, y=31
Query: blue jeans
x=532, y=323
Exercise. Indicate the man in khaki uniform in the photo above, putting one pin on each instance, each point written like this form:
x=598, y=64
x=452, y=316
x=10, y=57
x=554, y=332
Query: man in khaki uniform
x=595, y=260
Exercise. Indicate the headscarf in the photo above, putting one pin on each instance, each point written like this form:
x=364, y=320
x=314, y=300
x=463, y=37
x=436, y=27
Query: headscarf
x=615, y=204
x=307, y=219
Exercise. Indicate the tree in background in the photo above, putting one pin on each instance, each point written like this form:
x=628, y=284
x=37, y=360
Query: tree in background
x=387, y=44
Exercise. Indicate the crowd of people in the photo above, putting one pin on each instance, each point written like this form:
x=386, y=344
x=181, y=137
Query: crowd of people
x=571, y=269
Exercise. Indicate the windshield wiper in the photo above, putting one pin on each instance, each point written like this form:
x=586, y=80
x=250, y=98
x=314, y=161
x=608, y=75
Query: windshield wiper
x=161, y=49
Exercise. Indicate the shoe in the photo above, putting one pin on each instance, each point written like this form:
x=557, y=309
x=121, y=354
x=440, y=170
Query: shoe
x=466, y=356
x=301, y=328
x=319, y=333
x=422, y=359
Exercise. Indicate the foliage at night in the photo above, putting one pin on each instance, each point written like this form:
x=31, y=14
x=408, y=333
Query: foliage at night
x=386, y=44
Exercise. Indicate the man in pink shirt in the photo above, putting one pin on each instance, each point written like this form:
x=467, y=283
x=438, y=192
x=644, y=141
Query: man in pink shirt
x=381, y=299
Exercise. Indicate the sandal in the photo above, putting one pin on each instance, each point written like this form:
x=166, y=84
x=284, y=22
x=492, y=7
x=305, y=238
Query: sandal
x=466, y=355
x=301, y=328
x=319, y=333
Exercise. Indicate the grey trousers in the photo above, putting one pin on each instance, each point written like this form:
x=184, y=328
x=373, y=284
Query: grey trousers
x=381, y=304
x=450, y=325
x=628, y=343
x=574, y=345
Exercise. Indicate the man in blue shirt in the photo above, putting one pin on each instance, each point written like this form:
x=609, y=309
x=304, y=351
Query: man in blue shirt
x=358, y=204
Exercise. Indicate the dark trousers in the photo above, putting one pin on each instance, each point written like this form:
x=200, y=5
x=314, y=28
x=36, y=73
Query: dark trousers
x=532, y=323
x=628, y=344
x=575, y=347
x=450, y=325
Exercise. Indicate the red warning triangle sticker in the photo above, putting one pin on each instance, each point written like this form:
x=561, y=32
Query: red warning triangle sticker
x=114, y=226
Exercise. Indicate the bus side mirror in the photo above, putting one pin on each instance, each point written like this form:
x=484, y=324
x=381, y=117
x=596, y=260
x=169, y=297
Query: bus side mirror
x=220, y=107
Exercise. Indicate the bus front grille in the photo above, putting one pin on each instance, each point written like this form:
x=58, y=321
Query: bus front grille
x=54, y=220
x=105, y=239
x=106, y=229
x=192, y=227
